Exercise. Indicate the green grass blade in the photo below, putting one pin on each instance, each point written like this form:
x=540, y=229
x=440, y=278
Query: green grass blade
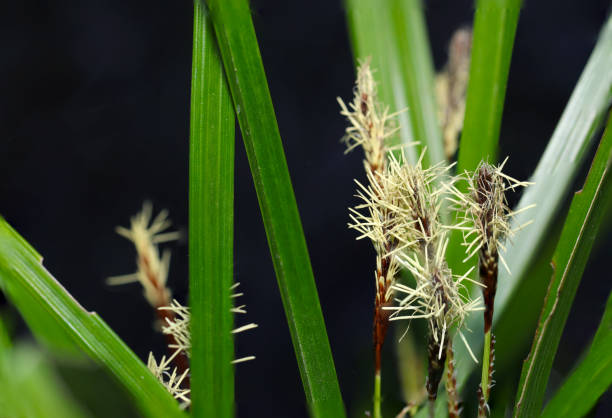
x=253, y=104
x=494, y=29
x=418, y=74
x=372, y=34
x=590, y=379
x=51, y=312
x=569, y=260
x=211, y=226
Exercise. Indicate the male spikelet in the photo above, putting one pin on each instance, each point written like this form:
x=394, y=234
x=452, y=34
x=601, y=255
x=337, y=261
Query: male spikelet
x=486, y=227
x=370, y=122
x=487, y=223
x=152, y=271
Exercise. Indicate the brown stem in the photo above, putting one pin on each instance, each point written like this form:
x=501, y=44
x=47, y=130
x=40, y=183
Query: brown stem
x=435, y=367
x=482, y=404
x=454, y=405
x=488, y=265
x=381, y=315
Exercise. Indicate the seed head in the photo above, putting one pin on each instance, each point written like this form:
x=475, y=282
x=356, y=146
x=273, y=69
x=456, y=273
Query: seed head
x=486, y=223
x=438, y=296
x=171, y=380
x=370, y=122
x=152, y=270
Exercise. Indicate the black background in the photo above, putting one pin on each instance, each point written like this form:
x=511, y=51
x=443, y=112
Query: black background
x=94, y=119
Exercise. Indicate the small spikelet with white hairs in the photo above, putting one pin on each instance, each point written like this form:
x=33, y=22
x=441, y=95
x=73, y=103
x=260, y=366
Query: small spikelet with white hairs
x=370, y=122
x=178, y=326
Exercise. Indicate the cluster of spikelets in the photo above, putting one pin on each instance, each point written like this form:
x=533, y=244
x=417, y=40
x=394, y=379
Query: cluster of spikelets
x=152, y=273
x=399, y=212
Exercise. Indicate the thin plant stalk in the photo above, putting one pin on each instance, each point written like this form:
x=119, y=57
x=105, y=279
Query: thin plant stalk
x=377, y=397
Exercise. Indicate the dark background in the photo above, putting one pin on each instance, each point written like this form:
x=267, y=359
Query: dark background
x=94, y=119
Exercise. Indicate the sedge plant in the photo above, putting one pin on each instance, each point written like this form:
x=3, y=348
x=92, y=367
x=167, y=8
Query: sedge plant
x=434, y=204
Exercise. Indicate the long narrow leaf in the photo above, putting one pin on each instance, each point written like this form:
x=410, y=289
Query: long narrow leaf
x=31, y=388
x=592, y=377
x=211, y=227
x=249, y=88
x=53, y=313
x=569, y=260
x=413, y=48
x=372, y=33
x=494, y=29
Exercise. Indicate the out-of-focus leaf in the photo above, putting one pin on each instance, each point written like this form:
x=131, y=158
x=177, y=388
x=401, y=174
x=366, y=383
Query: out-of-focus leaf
x=493, y=37
x=30, y=387
x=569, y=260
x=53, y=314
x=590, y=379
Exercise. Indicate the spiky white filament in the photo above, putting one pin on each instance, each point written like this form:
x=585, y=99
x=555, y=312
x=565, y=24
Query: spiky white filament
x=370, y=122
x=486, y=215
x=438, y=295
x=171, y=380
x=152, y=270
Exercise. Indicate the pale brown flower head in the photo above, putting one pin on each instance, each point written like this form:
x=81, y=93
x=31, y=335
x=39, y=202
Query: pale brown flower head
x=370, y=122
x=152, y=270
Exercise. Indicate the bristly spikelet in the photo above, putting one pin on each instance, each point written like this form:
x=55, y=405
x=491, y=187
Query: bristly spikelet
x=178, y=327
x=370, y=122
x=438, y=296
x=152, y=270
x=400, y=207
x=487, y=216
x=486, y=224
x=171, y=380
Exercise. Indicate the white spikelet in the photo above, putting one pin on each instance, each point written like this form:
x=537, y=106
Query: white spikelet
x=370, y=122
x=438, y=296
x=171, y=380
x=152, y=272
x=487, y=217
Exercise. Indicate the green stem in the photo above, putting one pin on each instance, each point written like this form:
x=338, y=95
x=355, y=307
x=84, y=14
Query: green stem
x=486, y=360
x=377, y=397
